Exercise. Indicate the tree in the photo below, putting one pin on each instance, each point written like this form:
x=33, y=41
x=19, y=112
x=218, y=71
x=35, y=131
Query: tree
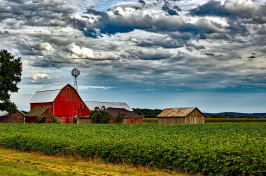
x=10, y=76
x=100, y=116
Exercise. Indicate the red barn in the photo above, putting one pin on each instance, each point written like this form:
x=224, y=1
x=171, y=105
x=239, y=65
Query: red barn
x=63, y=101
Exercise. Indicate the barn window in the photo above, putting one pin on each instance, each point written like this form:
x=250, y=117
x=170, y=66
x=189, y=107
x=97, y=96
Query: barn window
x=82, y=106
x=67, y=89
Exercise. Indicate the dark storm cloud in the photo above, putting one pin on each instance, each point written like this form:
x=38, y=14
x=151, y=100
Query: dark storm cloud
x=128, y=19
x=233, y=10
x=109, y=23
x=164, y=42
x=170, y=11
x=37, y=12
x=211, y=8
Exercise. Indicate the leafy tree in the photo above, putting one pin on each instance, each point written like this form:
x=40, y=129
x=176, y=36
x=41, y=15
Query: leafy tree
x=10, y=76
x=100, y=116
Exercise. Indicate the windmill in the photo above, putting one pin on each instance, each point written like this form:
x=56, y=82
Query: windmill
x=75, y=73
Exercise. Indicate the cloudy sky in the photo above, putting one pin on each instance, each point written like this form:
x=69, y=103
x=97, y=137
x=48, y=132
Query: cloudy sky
x=149, y=53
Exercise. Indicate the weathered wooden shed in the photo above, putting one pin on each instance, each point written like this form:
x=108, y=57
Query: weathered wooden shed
x=191, y=115
x=63, y=102
x=17, y=117
x=39, y=112
x=130, y=116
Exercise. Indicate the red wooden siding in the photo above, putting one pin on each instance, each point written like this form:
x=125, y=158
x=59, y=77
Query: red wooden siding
x=133, y=121
x=83, y=110
x=31, y=120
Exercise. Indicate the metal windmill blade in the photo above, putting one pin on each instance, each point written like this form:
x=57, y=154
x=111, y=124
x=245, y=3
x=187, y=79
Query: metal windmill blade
x=75, y=73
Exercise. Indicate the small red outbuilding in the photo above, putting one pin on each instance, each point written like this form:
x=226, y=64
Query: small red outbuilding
x=130, y=116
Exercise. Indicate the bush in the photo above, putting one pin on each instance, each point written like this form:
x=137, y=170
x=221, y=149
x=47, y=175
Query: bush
x=54, y=120
x=119, y=118
x=101, y=117
x=41, y=120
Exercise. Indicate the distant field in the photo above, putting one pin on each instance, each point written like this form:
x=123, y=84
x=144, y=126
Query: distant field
x=210, y=149
x=235, y=119
x=155, y=120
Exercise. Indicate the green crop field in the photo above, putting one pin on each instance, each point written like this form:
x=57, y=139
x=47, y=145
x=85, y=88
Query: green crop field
x=210, y=149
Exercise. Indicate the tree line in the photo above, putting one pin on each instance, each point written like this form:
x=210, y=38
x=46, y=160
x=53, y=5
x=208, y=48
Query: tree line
x=147, y=113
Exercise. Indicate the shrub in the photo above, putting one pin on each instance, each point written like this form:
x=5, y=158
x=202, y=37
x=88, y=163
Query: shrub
x=101, y=117
x=42, y=119
x=119, y=118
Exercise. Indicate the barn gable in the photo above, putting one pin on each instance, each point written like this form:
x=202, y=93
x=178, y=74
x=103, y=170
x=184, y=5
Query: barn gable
x=48, y=93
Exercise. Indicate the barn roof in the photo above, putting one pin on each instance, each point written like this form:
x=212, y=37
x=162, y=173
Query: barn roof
x=176, y=112
x=47, y=93
x=37, y=111
x=128, y=114
x=92, y=104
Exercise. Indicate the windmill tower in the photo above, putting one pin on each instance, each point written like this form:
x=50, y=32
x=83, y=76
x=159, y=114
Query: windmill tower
x=75, y=73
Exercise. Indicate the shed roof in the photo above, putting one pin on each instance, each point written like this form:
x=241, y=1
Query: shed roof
x=176, y=112
x=92, y=104
x=128, y=114
x=3, y=113
x=37, y=111
x=47, y=93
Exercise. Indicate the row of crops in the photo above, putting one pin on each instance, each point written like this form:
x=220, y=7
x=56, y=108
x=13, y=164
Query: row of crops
x=210, y=149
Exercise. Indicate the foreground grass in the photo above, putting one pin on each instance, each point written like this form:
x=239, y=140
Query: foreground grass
x=14, y=162
x=210, y=149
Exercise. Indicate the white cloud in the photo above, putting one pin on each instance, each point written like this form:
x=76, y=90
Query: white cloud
x=46, y=46
x=87, y=53
x=80, y=52
x=239, y=5
x=40, y=76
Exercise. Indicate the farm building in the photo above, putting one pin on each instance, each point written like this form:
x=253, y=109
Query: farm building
x=181, y=116
x=63, y=102
x=17, y=117
x=98, y=105
x=130, y=116
x=38, y=113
